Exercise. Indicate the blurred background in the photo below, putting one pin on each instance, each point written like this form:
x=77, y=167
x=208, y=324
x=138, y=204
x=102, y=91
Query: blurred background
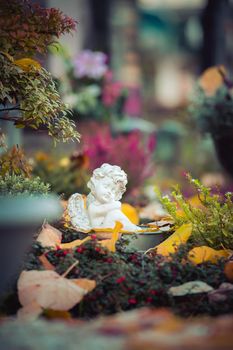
x=131, y=105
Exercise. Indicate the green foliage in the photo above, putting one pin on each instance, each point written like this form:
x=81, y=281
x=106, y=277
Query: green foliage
x=14, y=162
x=27, y=28
x=34, y=93
x=213, y=114
x=65, y=175
x=18, y=184
x=212, y=221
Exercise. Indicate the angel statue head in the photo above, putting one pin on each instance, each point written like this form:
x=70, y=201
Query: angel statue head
x=108, y=183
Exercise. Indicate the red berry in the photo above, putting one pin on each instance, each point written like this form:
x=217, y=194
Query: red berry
x=149, y=299
x=121, y=279
x=132, y=301
x=79, y=250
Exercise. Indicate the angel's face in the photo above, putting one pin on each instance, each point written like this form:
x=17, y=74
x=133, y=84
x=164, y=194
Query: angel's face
x=104, y=191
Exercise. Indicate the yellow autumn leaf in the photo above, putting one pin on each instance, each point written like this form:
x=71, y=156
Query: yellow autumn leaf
x=56, y=314
x=130, y=212
x=110, y=244
x=180, y=236
x=75, y=243
x=27, y=64
x=202, y=254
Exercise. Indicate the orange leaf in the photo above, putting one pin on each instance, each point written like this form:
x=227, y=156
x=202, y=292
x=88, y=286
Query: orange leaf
x=228, y=270
x=211, y=80
x=56, y=314
x=47, y=265
x=85, y=283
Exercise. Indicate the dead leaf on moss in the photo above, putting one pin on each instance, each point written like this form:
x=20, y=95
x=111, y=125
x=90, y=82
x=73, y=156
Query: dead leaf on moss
x=110, y=244
x=228, y=270
x=56, y=314
x=30, y=311
x=192, y=287
x=49, y=290
x=75, y=243
x=49, y=236
x=85, y=283
x=46, y=264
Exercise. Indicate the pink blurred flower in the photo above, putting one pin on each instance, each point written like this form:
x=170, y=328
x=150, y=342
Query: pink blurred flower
x=90, y=64
x=111, y=93
x=132, y=152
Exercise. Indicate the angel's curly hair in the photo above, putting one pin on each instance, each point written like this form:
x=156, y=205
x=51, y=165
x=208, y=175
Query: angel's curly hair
x=115, y=173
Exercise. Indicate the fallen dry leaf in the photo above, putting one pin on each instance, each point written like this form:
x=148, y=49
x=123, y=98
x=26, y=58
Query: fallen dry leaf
x=75, y=243
x=55, y=314
x=47, y=265
x=84, y=283
x=192, y=287
x=228, y=270
x=30, y=311
x=49, y=236
x=202, y=254
x=110, y=244
x=49, y=290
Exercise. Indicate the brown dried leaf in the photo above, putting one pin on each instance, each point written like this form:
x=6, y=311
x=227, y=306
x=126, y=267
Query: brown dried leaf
x=228, y=270
x=47, y=265
x=49, y=236
x=49, y=290
x=32, y=311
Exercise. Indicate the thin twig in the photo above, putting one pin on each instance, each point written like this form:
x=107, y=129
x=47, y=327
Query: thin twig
x=70, y=268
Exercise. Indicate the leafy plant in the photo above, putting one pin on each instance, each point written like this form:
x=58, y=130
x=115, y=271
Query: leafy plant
x=25, y=86
x=14, y=162
x=18, y=184
x=27, y=28
x=212, y=220
x=212, y=102
x=65, y=175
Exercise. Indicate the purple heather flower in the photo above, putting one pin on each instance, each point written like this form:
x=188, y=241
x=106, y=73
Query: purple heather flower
x=90, y=64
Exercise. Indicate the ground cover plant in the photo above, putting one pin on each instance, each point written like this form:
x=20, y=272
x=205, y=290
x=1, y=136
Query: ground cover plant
x=126, y=280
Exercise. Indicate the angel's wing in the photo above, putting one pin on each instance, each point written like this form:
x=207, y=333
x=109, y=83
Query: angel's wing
x=78, y=213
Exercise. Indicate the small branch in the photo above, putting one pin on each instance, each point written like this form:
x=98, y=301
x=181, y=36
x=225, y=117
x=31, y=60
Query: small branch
x=70, y=268
x=9, y=109
x=11, y=119
x=15, y=109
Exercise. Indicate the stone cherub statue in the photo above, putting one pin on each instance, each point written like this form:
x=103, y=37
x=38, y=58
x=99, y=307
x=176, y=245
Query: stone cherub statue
x=102, y=207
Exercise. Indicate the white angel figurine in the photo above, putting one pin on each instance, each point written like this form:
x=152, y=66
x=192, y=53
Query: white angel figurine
x=103, y=207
